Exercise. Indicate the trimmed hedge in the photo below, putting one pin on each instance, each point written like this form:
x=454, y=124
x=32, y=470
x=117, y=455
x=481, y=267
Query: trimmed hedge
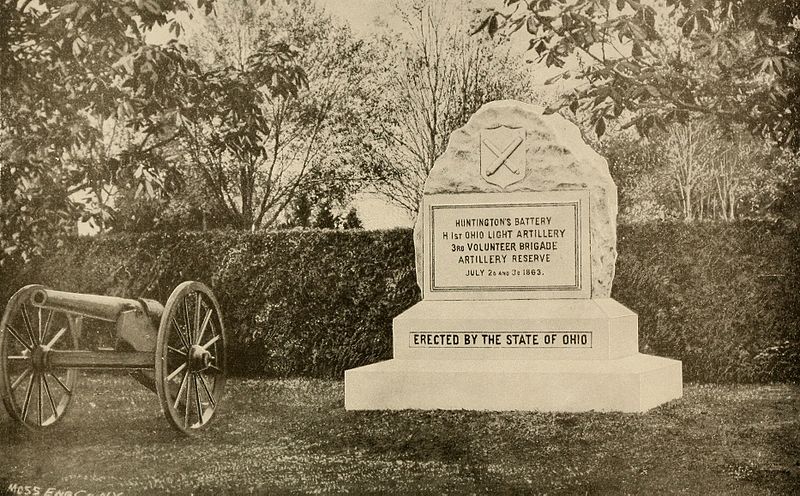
x=293, y=302
x=724, y=298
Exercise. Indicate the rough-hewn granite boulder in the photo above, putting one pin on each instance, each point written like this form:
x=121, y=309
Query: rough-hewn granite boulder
x=557, y=159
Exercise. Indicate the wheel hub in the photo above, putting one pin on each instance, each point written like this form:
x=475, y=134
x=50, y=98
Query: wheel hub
x=39, y=358
x=199, y=358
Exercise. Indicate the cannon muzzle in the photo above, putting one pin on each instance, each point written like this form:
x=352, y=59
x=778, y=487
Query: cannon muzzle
x=106, y=308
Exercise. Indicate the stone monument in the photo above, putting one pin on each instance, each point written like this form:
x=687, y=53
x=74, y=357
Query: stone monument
x=515, y=251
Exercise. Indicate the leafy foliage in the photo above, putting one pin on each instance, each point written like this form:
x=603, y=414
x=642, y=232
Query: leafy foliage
x=71, y=70
x=639, y=170
x=733, y=60
x=696, y=171
x=351, y=220
x=280, y=131
x=325, y=218
x=60, y=78
x=786, y=202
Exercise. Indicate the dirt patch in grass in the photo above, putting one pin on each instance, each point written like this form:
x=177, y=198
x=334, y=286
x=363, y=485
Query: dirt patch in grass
x=294, y=437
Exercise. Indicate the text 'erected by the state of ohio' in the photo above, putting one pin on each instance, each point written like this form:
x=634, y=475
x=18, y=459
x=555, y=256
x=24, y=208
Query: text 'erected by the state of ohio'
x=501, y=339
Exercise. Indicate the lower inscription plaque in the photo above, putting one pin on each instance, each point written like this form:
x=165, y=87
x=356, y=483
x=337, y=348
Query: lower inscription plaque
x=500, y=339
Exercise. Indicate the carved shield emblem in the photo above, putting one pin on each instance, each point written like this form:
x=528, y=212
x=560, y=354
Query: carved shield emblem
x=503, y=155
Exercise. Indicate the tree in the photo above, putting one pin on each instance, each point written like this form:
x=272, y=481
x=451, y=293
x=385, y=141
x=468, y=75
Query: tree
x=67, y=68
x=696, y=171
x=639, y=170
x=734, y=171
x=689, y=149
x=351, y=220
x=734, y=61
x=300, y=213
x=298, y=150
x=432, y=82
x=325, y=218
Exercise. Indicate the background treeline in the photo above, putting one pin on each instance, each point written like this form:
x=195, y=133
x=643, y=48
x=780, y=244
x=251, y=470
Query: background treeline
x=253, y=115
x=245, y=115
x=695, y=171
x=722, y=297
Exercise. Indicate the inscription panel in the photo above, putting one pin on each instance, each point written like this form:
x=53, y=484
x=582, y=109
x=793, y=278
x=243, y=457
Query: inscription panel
x=507, y=246
x=500, y=339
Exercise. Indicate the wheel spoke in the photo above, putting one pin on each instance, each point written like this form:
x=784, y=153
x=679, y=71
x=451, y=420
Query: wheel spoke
x=180, y=333
x=186, y=406
x=187, y=320
x=16, y=336
x=50, y=396
x=28, y=392
x=57, y=337
x=202, y=331
x=180, y=391
x=28, y=326
x=212, y=366
x=197, y=310
x=197, y=400
x=63, y=386
x=210, y=342
x=39, y=403
x=39, y=322
x=18, y=358
x=21, y=378
x=176, y=372
x=176, y=350
x=208, y=391
x=47, y=325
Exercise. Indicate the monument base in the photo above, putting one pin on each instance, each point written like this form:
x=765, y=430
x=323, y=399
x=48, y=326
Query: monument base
x=634, y=383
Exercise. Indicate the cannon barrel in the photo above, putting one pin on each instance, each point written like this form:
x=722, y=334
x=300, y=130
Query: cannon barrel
x=106, y=308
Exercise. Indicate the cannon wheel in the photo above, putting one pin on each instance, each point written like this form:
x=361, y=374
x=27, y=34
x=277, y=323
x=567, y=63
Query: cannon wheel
x=190, y=357
x=33, y=392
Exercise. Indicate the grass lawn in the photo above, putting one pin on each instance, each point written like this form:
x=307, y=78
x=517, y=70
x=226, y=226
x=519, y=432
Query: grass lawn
x=294, y=436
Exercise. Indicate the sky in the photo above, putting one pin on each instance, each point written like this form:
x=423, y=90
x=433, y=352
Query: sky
x=361, y=14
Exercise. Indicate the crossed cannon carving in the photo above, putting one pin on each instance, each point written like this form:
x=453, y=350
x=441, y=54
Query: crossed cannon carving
x=502, y=156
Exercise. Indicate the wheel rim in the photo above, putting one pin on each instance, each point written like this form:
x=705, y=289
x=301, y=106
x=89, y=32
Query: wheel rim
x=34, y=392
x=190, y=357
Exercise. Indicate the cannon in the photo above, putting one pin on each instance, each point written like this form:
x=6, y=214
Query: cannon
x=176, y=350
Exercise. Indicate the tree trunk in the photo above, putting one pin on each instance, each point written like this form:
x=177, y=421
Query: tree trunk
x=247, y=200
x=687, y=203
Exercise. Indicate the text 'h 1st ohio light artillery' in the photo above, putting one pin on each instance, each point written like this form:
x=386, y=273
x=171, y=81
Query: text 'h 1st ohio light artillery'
x=176, y=350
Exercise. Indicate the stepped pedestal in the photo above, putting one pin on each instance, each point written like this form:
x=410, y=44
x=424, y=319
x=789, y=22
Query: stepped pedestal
x=545, y=355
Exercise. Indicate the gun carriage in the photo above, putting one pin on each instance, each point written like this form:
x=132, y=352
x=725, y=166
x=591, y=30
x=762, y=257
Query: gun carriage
x=177, y=350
